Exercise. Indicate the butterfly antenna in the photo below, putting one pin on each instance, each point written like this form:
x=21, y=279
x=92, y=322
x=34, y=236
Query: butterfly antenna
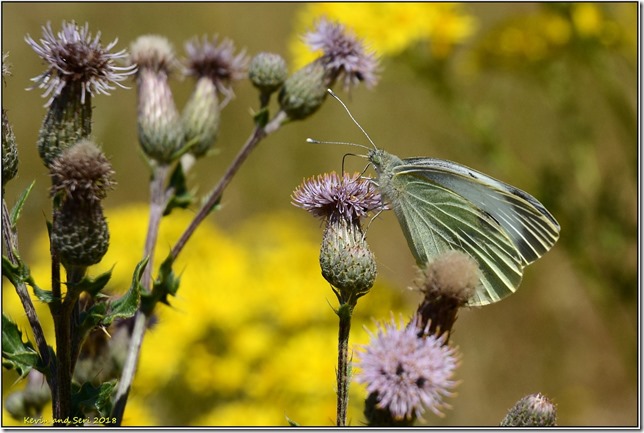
x=352, y=118
x=344, y=143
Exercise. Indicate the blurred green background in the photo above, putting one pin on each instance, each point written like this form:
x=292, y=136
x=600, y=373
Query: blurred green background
x=542, y=96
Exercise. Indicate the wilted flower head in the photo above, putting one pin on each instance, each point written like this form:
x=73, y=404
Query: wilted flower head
x=343, y=54
x=218, y=62
x=409, y=374
x=74, y=55
x=153, y=52
x=350, y=196
x=82, y=173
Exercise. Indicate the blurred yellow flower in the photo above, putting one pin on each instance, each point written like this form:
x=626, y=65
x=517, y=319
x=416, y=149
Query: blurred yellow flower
x=389, y=28
x=250, y=337
x=587, y=19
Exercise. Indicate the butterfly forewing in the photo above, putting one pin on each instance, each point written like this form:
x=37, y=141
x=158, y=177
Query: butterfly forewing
x=532, y=229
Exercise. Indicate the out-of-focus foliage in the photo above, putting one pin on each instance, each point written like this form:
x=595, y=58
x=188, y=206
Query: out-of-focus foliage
x=251, y=337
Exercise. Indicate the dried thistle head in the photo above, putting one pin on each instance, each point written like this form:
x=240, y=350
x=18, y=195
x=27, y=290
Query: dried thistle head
x=82, y=173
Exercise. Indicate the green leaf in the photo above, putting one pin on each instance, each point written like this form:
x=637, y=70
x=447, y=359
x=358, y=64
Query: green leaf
x=15, y=353
x=88, y=398
x=126, y=305
x=19, y=273
x=261, y=117
x=167, y=283
x=17, y=208
x=94, y=285
x=92, y=317
x=181, y=197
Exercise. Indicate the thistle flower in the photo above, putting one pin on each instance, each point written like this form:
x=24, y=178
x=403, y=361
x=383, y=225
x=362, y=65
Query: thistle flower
x=79, y=67
x=343, y=54
x=346, y=261
x=160, y=130
x=217, y=62
x=74, y=55
x=406, y=373
x=448, y=282
x=534, y=410
x=343, y=57
x=325, y=195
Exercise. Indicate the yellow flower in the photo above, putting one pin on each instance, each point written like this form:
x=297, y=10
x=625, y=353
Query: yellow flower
x=389, y=28
x=587, y=19
x=250, y=337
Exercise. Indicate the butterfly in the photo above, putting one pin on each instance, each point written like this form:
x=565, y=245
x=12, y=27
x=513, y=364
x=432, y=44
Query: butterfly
x=441, y=206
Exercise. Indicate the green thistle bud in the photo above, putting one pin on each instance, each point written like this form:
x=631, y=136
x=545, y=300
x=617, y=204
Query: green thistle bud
x=9, y=150
x=267, y=72
x=346, y=261
x=80, y=234
x=533, y=410
x=304, y=91
x=160, y=130
x=201, y=117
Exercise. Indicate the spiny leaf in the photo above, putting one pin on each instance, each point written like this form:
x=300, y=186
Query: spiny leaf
x=94, y=285
x=88, y=398
x=181, y=197
x=126, y=305
x=19, y=273
x=16, y=353
x=167, y=283
x=17, y=208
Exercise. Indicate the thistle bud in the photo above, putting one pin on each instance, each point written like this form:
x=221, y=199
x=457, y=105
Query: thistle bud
x=346, y=261
x=267, y=72
x=533, y=410
x=160, y=130
x=304, y=91
x=9, y=151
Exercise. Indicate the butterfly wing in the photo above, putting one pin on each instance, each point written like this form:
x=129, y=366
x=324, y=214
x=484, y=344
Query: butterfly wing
x=435, y=219
x=532, y=229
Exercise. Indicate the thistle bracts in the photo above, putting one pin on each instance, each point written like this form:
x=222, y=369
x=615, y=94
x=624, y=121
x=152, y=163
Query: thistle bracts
x=81, y=177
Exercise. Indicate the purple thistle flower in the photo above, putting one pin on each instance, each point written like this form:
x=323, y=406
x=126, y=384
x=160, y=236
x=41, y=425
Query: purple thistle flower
x=409, y=374
x=350, y=196
x=344, y=55
x=217, y=62
x=74, y=55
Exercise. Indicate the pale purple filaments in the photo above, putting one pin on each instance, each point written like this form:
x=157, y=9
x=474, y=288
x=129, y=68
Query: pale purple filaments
x=350, y=196
x=74, y=55
x=409, y=374
x=217, y=61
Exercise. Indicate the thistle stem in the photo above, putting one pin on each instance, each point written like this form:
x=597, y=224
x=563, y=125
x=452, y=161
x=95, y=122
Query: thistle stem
x=343, y=373
x=159, y=197
x=11, y=245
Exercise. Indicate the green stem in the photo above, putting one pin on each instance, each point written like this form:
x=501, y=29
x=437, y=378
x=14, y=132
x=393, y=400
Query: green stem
x=343, y=375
